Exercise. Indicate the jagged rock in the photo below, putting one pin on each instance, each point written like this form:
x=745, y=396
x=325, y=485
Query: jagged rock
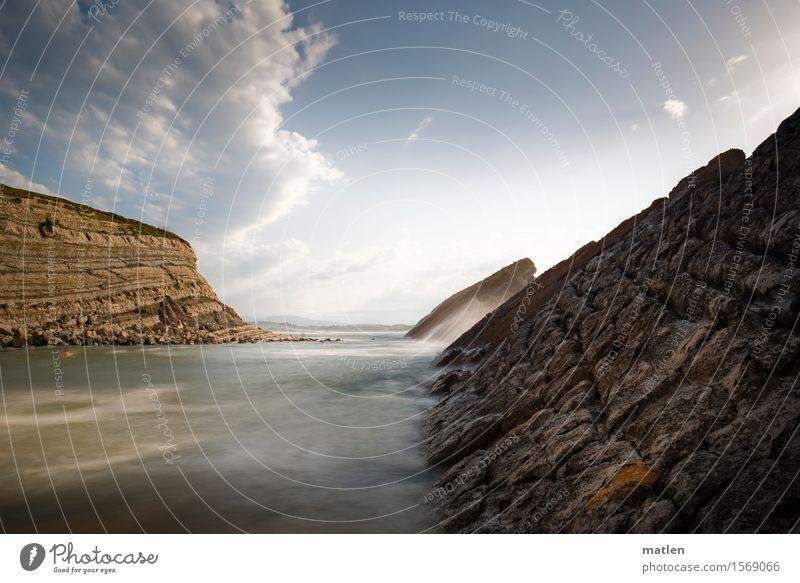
x=457, y=354
x=91, y=277
x=651, y=377
x=445, y=382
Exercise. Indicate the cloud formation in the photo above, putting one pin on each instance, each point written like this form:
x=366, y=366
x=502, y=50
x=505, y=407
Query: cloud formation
x=737, y=60
x=426, y=121
x=152, y=104
x=172, y=113
x=676, y=108
x=11, y=177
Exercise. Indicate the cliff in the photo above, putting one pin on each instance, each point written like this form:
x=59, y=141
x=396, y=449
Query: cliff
x=462, y=310
x=648, y=382
x=71, y=274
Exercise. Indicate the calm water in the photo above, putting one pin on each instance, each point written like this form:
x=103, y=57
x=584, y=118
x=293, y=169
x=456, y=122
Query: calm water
x=300, y=437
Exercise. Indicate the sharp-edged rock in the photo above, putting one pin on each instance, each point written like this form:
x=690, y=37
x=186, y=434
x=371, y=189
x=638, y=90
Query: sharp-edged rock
x=648, y=383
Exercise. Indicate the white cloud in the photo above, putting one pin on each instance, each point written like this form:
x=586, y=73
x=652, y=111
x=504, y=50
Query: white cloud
x=676, y=108
x=256, y=267
x=762, y=113
x=732, y=97
x=344, y=264
x=356, y=282
x=733, y=61
x=151, y=133
x=426, y=121
x=217, y=112
x=14, y=179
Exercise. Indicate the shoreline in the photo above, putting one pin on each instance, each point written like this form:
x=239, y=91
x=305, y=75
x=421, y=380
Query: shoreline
x=267, y=338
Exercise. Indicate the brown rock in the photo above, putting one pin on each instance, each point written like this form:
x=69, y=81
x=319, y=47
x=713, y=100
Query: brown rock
x=651, y=377
x=122, y=280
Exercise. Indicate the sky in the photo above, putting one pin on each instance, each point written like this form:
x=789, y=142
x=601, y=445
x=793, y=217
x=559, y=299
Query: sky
x=361, y=161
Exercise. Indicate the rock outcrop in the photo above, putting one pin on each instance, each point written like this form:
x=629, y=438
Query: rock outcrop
x=649, y=382
x=459, y=312
x=71, y=274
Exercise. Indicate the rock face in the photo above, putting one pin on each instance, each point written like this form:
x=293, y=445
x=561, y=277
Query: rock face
x=649, y=382
x=71, y=274
x=461, y=311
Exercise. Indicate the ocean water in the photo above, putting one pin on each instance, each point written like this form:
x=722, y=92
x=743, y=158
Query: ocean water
x=281, y=437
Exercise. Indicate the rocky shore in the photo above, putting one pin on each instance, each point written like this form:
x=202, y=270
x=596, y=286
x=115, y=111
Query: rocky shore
x=74, y=275
x=648, y=383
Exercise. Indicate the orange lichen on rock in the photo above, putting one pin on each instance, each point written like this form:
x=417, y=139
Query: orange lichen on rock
x=626, y=480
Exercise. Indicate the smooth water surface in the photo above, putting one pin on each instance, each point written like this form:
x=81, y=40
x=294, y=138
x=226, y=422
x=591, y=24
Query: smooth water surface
x=280, y=437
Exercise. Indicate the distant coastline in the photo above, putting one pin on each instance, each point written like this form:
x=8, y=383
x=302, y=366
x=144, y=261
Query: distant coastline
x=311, y=325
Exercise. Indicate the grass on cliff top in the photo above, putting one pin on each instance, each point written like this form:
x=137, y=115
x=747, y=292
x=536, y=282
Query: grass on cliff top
x=133, y=226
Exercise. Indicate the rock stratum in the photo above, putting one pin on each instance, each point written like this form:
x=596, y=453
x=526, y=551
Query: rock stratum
x=462, y=310
x=72, y=274
x=648, y=383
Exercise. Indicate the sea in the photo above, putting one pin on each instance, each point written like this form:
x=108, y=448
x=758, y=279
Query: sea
x=307, y=437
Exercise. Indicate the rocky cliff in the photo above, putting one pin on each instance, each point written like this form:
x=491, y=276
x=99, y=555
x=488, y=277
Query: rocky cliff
x=462, y=310
x=71, y=274
x=648, y=383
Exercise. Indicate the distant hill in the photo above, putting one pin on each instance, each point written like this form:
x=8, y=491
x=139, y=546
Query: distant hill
x=461, y=311
x=299, y=323
x=296, y=321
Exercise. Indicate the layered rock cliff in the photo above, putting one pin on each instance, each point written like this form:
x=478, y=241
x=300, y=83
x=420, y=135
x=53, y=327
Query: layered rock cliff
x=648, y=383
x=71, y=274
x=462, y=310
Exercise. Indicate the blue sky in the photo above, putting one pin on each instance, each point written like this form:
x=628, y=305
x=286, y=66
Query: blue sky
x=360, y=161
